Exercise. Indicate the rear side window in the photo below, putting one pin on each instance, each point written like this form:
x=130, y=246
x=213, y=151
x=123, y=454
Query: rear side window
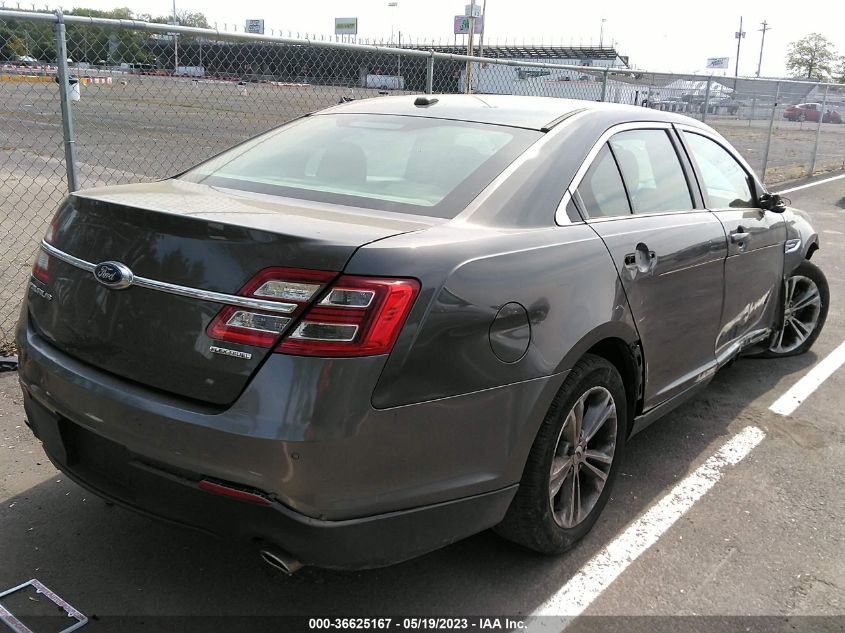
x=726, y=184
x=601, y=190
x=417, y=165
x=652, y=171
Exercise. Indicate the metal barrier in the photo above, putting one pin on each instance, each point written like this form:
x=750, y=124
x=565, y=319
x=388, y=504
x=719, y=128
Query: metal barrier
x=128, y=101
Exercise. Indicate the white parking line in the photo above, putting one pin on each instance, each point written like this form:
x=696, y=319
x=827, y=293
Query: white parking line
x=802, y=389
x=594, y=577
x=812, y=184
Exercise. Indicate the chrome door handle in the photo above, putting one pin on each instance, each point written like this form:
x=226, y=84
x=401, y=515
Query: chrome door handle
x=641, y=259
x=739, y=236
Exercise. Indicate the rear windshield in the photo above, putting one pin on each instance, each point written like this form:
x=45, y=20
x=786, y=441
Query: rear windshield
x=407, y=164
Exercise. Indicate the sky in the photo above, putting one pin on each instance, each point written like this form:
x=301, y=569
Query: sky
x=661, y=35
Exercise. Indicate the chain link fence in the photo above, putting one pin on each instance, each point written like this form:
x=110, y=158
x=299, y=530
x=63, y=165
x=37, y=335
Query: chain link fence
x=147, y=101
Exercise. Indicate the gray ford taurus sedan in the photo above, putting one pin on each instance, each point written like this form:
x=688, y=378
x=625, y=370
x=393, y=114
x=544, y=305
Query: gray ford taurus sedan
x=397, y=322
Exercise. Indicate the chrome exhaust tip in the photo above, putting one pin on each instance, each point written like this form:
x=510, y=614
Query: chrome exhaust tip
x=281, y=560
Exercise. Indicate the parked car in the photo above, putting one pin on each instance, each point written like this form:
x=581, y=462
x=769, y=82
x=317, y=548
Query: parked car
x=717, y=105
x=668, y=104
x=397, y=322
x=28, y=60
x=728, y=105
x=811, y=112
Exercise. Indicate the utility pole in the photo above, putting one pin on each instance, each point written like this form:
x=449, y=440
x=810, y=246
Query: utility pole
x=470, y=46
x=175, y=43
x=393, y=5
x=740, y=35
x=765, y=28
x=601, y=32
x=483, y=28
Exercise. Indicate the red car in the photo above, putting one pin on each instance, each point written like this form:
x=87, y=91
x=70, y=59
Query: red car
x=810, y=112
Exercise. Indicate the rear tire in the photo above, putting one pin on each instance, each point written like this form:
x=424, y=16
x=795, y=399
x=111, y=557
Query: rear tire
x=573, y=462
x=805, y=311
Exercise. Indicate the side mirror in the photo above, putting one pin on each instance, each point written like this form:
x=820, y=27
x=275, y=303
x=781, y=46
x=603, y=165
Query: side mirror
x=772, y=202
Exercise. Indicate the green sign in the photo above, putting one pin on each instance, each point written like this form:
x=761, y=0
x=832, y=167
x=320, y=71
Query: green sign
x=346, y=26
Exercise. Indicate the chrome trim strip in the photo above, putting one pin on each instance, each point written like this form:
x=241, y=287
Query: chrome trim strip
x=613, y=218
x=327, y=299
x=297, y=333
x=182, y=291
x=561, y=217
x=286, y=320
x=69, y=259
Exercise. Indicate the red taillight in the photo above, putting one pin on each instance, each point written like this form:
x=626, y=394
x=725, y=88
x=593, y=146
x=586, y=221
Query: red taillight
x=290, y=287
x=359, y=316
x=355, y=316
x=41, y=266
x=234, y=493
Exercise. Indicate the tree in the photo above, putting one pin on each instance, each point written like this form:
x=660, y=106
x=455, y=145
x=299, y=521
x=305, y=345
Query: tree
x=12, y=45
x=184, y=18
x=840, y=71
x=93, y=43
x=812, y=57
x=19, y=38
x=90, y=43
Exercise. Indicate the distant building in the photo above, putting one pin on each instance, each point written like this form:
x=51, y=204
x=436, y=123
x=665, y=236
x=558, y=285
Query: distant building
x=516, y=79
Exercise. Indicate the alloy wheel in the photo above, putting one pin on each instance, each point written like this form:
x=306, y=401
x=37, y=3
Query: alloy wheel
x=801, y=314
x=583, y=457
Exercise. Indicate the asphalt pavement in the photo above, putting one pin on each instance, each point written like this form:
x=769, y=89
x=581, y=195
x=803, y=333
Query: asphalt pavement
x=763, y=549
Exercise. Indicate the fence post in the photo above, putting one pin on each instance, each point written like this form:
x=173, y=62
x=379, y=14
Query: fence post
x=818, y=133
x=706, y=99
x=64, y=99
x=429, y=74
x=753, y=108
x=604, y=85
x=769, y=138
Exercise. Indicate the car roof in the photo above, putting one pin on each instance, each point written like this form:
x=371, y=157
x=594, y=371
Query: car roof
x=536, y=113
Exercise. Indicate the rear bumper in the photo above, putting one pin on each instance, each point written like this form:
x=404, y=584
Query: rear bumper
x=128, y=480
x=351, y=486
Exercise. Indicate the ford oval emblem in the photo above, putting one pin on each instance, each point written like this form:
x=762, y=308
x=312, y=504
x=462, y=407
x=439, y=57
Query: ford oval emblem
x=114, y=275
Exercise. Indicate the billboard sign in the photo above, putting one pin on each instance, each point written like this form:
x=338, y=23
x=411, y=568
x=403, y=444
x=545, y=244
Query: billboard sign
x=718, y=62
x=346, y=26
x=473, y=9
x=254, y=26
x=462, y=25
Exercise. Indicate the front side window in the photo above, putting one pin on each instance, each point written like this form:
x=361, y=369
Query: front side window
x=726, y=184
x=417, y=165
x=652, y=171
x=601, y=190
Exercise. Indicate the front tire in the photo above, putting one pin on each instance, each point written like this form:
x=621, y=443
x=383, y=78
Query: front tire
x=573, y=462
x=806, y=301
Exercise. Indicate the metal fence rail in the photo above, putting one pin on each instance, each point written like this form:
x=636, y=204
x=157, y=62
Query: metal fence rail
x=92, y=101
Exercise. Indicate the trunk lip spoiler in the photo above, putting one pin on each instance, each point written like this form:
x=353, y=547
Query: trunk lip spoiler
x=175, y=289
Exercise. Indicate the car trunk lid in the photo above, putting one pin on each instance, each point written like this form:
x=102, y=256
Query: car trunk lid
x=190, y=237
